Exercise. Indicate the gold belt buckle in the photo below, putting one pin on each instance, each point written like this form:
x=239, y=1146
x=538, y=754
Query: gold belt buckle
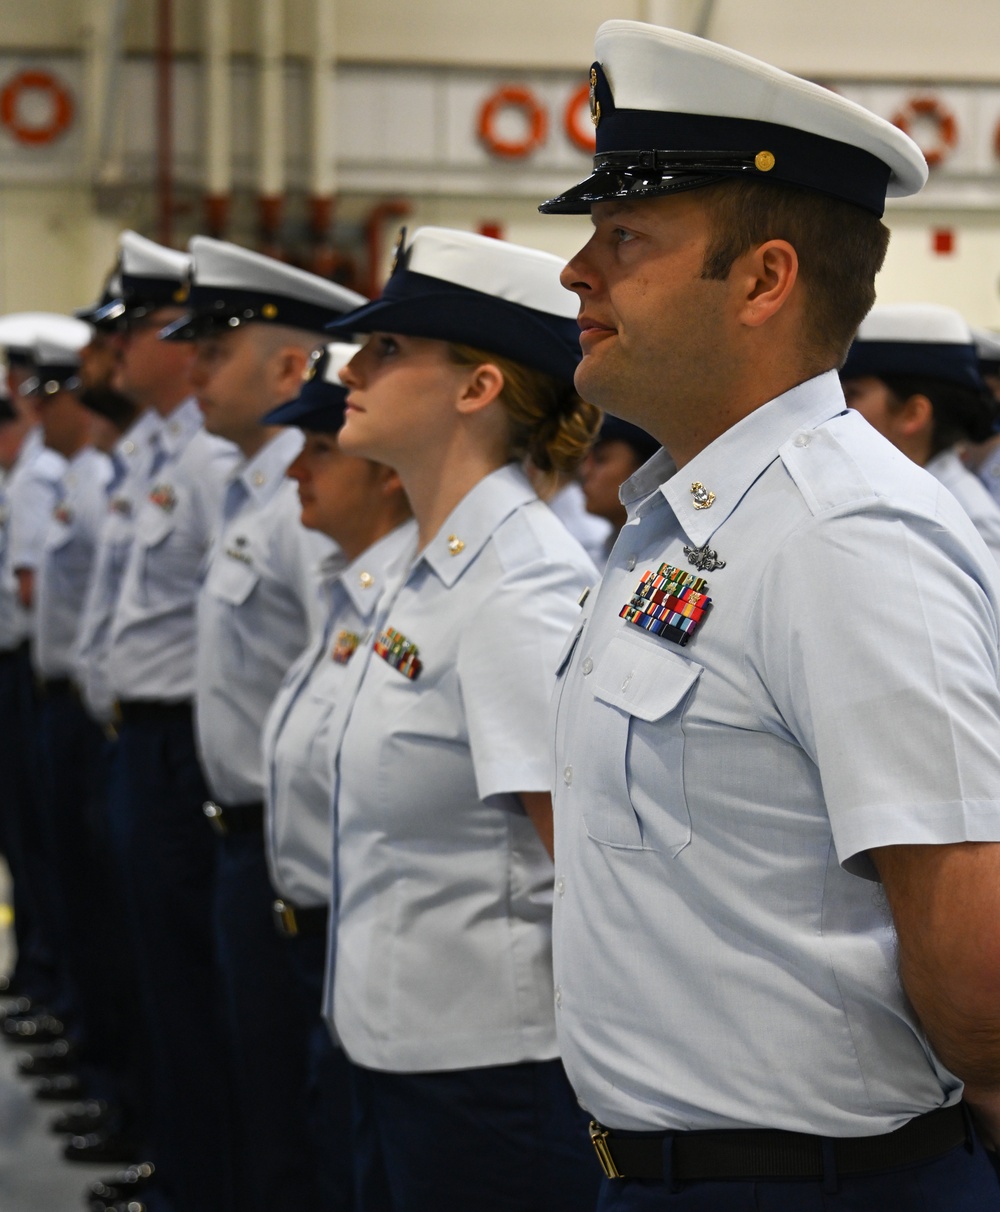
x=599, y=1139
x=216, y=817
x=284, y=918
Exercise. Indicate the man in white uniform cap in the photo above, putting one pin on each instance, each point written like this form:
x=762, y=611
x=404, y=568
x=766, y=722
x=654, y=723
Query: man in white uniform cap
x=784, y=690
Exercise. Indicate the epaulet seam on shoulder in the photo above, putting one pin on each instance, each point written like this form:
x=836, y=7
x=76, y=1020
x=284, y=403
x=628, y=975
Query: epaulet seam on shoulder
x=830, y=482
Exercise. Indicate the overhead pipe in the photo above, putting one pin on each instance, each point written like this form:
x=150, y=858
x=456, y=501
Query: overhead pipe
x=322, y=128
x=164, y=121
x=103, y=49
x=270, y=122
x=218, y=115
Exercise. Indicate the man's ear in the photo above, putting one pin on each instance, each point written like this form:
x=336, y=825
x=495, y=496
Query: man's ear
x=766, y=275
x=289, y=365
x=482, y=386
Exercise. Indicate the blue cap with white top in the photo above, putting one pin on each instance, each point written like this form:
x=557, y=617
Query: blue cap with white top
x=320, y=404
x=458, y=286
x=676, y=112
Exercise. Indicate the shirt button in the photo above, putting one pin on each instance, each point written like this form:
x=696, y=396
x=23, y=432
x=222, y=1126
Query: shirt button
x=558, y=996
x=560, y=885
x=800, y=439
x=587, y=666
x=568, y=775
x=630, y=563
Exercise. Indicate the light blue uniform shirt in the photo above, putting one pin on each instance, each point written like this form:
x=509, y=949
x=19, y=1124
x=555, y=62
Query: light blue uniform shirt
x=136, y=456
x=257, y=610
x=151, y=648
x=972, y=494
x=718, y=961
x=443, y=944
x=67, y=558
x=27, y=498
x=298, y=757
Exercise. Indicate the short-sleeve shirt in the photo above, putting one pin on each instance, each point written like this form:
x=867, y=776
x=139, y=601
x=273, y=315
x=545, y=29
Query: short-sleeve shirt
x=972, y=494
x=151, y=649
x=298, y=736
x=135, y=456
x=27, y=498
x=719, y=961
x=443, y=939
x=67, y=556
x=257, y=609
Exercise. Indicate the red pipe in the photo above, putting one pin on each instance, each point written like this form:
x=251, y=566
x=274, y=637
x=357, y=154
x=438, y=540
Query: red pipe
x=373, y=231
x=164, y=121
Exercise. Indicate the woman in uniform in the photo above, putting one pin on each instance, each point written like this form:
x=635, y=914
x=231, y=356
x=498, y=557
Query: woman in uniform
x=362, y=507
x=440, y=984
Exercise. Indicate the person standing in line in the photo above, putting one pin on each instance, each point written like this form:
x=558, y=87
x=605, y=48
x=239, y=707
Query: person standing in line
x=165, y=853
x=439, y=984
x=253, y=323
x=28, y=495
x=777, y=729
x=70, y=744
x=983, y=458
x=619, y=452
x=913, y=373
x=361, y=506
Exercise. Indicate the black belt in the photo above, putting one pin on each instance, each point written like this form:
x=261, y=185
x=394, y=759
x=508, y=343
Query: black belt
x=234, y=818
x=138, y=711
x=56, y=687
x=771, y=1153
x=290, y=921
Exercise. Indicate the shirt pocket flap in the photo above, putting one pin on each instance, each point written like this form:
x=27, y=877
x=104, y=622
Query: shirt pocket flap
x=232, y=580
x=643, y=679
x=154, y=526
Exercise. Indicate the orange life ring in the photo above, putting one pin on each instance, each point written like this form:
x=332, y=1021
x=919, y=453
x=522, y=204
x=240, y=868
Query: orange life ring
x=10, y=107
x=513, y=97
x=943, y=119
x=580, y=133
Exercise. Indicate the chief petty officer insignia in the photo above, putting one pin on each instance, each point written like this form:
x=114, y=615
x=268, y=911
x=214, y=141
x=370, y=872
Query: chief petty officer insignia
x=670, y=604
x=399, y=652
x=239, y=550
x=163, y=496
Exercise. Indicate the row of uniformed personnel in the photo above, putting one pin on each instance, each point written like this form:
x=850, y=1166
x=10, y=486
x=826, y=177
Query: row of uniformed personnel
x=703, y=797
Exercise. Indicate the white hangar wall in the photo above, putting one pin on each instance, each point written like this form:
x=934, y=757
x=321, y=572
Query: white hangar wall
x=406, y=68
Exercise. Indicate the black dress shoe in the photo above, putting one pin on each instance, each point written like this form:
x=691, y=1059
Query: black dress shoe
x=61, y=1087
x=88, y=1116
x=99, y=1146
x=47, y=1060
x=125, y=1184
x=34, y=1028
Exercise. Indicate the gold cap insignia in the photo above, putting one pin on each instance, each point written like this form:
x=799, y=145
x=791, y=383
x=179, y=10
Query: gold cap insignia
x=764, y=161
x=595, y=105
x=269, y=311
x=312, y=366
x=455, y=544
x=182, y=292
x=397, y=251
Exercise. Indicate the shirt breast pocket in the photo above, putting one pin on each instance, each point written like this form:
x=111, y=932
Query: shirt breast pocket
x=641, y=692
x=232, y=581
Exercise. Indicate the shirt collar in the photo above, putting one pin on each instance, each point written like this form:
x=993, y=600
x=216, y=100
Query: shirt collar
x=727, y=467
x=364, y=579
x=264, y=474
x=474, y=519
x=138, y=436
x=179, y=427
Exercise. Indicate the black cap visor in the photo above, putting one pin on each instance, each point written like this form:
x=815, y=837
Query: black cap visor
x=633, y=175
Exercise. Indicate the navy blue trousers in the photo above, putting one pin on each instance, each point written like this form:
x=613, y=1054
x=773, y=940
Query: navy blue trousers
x=961, y=1181
x=329, y=1084
x=508, y=1138
x=167, y=854
x=269, y=1021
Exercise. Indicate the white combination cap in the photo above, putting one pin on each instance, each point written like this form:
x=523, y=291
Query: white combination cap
x=921, y=339
x=675, y=112
x=231, y=286
x=459, y=286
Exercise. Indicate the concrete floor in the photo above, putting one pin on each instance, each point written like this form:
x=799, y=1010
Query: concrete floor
x=33, y=1175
